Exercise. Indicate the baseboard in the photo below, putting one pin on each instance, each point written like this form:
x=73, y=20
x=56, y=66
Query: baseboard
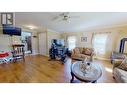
x=34, y=54
x=104, y=59
x=47, y=55
x=43, y=55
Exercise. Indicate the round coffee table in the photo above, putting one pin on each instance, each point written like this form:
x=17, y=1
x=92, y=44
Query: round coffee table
x=92, y=76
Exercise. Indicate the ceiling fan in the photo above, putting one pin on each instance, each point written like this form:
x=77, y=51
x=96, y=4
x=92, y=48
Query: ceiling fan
x=65, y=16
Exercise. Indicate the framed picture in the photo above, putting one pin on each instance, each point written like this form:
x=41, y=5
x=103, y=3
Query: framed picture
x=83, y=39
x=7, y=18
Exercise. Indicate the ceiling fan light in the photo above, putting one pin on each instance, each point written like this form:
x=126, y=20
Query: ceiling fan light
x=32, y=27
x=65, y=18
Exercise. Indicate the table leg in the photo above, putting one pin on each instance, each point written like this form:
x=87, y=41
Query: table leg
x=94, y=81
x=72, y=75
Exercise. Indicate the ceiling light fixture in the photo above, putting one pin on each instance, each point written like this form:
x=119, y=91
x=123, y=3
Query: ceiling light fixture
x=32, y=27
x=65, y=16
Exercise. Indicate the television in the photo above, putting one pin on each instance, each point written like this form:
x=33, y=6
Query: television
x=11, y=31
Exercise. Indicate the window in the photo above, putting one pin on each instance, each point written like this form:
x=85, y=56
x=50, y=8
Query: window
x=71, y=42
x=99, y=43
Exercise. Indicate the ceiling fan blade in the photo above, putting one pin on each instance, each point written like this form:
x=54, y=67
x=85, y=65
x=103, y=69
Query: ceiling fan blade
x=64, y=14
x=55, y=18
x=75, y=16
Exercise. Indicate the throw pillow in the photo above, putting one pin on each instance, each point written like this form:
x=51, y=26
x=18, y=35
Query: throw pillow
x=76, y=51
x=83, y=51
x=123, y=66
x=87, y=51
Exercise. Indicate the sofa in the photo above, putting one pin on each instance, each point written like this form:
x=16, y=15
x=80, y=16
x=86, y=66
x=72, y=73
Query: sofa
x=81, y=53
x=117, y=57
x=120, y=71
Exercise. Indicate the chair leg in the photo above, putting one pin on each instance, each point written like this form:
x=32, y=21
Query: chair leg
x=14, y=60
x=113, y=77
x=23, y=58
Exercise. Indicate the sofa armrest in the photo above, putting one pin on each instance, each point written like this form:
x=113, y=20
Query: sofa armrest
x=92, y=54
x=117, y=63
x=72, y=53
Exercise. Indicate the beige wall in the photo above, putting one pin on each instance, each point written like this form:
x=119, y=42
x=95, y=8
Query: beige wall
x=6, y=41
x=35, y=46
x=51, y=35
x=116, y=34
x=78, y=36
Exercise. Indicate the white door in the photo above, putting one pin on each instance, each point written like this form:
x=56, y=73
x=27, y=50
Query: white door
x=42, y=43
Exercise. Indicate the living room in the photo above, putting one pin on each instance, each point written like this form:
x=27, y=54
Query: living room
x=53, y=47
x=77, y=31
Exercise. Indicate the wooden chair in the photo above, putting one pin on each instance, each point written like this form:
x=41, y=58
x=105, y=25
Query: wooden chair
x=18, y=52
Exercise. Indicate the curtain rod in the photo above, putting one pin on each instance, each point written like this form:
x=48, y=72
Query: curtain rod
x=101, y=32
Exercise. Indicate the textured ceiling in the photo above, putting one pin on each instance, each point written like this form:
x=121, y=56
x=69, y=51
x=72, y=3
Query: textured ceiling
x=84, y=20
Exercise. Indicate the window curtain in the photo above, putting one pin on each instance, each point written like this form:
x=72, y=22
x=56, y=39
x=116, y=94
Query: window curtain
x=71, y=42
x=99, y=43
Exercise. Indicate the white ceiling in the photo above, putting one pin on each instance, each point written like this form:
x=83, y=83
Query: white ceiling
x=85, y=21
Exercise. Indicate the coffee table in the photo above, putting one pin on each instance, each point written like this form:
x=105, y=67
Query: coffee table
x=92, y=76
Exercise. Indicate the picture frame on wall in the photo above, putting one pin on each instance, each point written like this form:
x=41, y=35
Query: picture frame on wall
x=7, y=18
x=83, y=39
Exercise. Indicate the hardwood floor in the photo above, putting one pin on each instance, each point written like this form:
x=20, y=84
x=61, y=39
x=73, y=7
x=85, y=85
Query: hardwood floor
x=37, y=69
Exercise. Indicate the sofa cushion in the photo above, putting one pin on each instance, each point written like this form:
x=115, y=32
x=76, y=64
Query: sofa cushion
x=123, y=66
x=83, y=56
x=77, y=55
x=76, y=51
x=120, y=75
x=123, y=79
x=87, y=51
x=84, y=51
x=80, y=49
x=120, y=72
x=125, y=60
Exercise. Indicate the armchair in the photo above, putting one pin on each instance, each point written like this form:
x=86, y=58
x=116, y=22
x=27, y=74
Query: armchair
x=117, y=57
x=120, y=71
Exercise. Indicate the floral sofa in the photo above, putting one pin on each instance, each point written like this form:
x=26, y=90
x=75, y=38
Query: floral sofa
x=81, y=53
x=120, y=71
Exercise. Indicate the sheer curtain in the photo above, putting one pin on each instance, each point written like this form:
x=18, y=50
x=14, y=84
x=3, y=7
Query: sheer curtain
x=71, y=42
x=100, y=43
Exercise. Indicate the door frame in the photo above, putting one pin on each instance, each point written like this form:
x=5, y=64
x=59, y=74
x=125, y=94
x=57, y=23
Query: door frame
x=45, y=43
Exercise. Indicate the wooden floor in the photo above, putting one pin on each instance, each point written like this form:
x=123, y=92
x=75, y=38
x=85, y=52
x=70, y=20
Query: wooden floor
x=37, y=69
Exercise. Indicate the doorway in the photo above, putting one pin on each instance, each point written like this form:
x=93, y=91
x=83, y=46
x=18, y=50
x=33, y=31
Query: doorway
x=26, y=39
